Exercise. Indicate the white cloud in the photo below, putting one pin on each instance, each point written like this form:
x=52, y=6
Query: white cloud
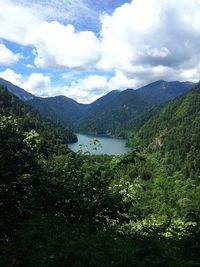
x=38, y=84
x=11, y=76
x=148, y=39
x=83, y=90
x=7, y=57
x=29, y=66
x=120, y=81
x=86, y=90
x=89, y=89
x=15, y=20
x=191, y=74
x=59, y=46
x=94, y=86
x=141, y=42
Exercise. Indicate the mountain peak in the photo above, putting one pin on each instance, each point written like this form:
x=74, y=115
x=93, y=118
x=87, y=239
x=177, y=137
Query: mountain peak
x=162, y=91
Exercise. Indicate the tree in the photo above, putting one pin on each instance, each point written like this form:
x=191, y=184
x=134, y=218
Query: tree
x=18, y=150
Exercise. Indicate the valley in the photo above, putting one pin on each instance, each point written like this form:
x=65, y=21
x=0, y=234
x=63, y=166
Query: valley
x=114, y=114
x=140, y=199
x=100, y=133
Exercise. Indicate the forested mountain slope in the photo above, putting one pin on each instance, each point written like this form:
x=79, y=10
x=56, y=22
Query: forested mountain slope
x=162, y=91
x=67, y=111
x=104, y=100
x=60, y=208
x=175, y=131
x=60, y=109
x=28, y=119
x=16, y=90
x=123, y=112
x=114, y=113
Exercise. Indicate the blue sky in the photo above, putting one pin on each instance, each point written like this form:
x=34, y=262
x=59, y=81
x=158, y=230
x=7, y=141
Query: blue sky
x=86, y=48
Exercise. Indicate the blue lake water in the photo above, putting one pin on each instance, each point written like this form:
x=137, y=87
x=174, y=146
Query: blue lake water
x=107, y=145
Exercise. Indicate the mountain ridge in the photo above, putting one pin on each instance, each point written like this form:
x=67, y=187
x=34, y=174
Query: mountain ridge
x=174, y=132
x=16, y=90
x=108, y=114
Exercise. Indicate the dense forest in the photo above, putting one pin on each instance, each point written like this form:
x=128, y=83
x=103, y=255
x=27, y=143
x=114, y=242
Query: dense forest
x=113, y=114
x=120, y=113
x=60, y=208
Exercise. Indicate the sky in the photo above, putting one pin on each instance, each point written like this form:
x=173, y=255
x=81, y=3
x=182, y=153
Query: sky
x=83, y=49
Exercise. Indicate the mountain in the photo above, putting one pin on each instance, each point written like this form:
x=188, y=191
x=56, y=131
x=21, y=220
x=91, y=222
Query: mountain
x=60, y=109
x=66, y=110
x=59, y=208
x=161, y=91
x=124, y=110
x=102, y=101
x=19, y=92
x=175, y=131
x=115, y=113
x=52, y=136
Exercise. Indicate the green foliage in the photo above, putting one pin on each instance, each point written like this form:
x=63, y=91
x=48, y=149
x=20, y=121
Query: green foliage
x=174, y=131
x=52, y=137
x=116, y=113
x=49, y=242
x=59, y=109
x=17, y=150
x=60, y=208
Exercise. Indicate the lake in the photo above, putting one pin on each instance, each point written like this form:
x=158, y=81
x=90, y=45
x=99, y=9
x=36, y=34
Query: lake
x=105, y=145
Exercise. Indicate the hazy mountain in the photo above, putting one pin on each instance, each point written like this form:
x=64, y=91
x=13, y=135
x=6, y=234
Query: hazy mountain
x=125, y=109
x=113, y=113
x=102, y=101
x=19, y=92
x=68, y=111
x=161, y=91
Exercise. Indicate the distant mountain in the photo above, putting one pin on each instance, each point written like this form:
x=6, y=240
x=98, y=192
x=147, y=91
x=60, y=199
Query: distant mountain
x=130, y=108
x=19, y=92
x=66, y=110
x=102, y=101
x=60, y=109
x=114, y=113
x=161, y=91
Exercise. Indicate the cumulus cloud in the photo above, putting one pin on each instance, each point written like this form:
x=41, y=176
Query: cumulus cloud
x=36, y=83
x=153, y=38
x=15, y=21
x=120, y=81
x=59, y=46
x=11, y=76
x=17, y=15
x=83, y=90
x=141, y=41
x=94, y=86
x=7, y=57
x=86, y=90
